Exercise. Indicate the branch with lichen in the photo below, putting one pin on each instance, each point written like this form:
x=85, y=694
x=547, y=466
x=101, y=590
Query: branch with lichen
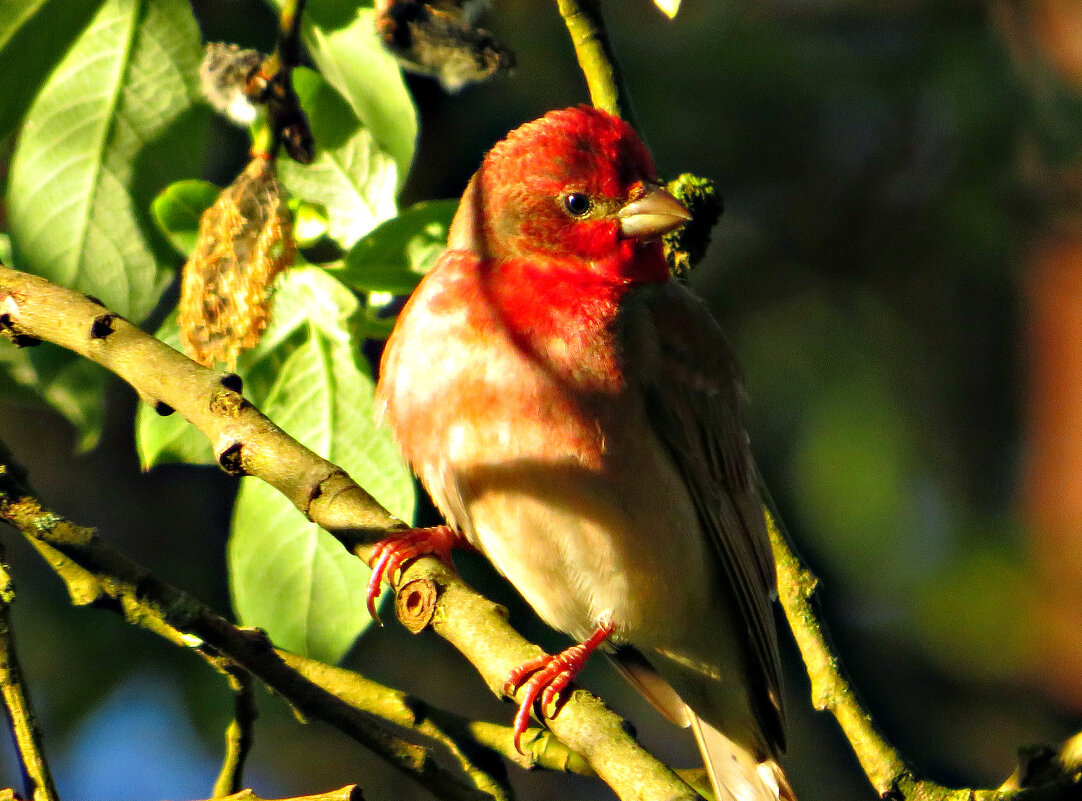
x=831, y=691
x=27, y=738
x=98, y=575
x=247, y=443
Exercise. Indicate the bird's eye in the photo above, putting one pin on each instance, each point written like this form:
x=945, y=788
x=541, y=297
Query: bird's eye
x=577, y=204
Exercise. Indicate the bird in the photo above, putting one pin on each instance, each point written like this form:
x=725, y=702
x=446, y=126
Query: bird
x=577, y=416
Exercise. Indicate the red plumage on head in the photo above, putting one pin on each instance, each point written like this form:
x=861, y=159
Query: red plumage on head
x=513, y=208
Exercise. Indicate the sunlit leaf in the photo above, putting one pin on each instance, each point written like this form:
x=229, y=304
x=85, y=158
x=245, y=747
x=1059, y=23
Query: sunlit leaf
x=351, y=177
x=288, y=576
x=177, y=210
x=342, y=40
x=77, y=203
x=310, y=222
x=395, y=256
x=34, y=34
x=14, y=14
x=668, y=7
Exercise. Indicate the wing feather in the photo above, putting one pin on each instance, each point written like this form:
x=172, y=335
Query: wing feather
x=694, y=397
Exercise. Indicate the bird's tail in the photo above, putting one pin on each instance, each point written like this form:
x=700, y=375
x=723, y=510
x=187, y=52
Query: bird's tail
x=735, y=773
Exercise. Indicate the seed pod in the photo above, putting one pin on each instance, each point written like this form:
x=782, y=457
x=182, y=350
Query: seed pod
x=245, y=240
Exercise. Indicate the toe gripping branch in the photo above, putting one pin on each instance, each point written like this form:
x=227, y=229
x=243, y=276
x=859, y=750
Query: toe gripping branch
x=548, y=678
x=392, y=553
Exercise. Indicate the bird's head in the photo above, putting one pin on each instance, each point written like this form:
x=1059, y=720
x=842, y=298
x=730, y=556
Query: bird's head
x=575, y=184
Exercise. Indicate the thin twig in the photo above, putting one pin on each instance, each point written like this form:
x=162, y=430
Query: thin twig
x=461, y=736
x=238, y=734
x=38, y=781
x=145, y=600
x=246, y=442
x=289, y=32
x=594, y=53
x=831, y=691
x=288, y=122
x=829, y=688
x=348, y=793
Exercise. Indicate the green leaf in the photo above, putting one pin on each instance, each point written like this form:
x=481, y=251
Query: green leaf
x=34, y=35
x=292, y=579
x=107, y=126
x=342, y=40
x=395, y=256
x=177, y=210
x=14, y=14
x=668, y=7
x=351, y=177
x=287, y=575
x=307, y=374
x=310, y=222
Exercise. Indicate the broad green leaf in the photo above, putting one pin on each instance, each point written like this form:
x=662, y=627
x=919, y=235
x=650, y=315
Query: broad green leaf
x=351, y=177
x=288, y=576
x=177, y=210
x=5, y=249
x=342, y=40
x=34, y=35
x=291, y=578
x=14, y=14
x=668, y=7
x=394, y=256
x=307, y=374
x=105, y=127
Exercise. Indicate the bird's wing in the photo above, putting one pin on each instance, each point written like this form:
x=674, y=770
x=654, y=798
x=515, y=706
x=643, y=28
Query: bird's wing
x=694, y=398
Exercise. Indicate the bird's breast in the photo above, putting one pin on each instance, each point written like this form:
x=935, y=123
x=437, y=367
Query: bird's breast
x=543, y=455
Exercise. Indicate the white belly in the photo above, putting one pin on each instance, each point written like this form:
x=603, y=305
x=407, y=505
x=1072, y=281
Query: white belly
x=582, y=543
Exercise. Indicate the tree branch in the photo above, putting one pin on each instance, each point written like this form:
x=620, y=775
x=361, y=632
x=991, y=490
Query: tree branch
x=246, y=442
x=594, y=53
x=117, y=583
x=461, y=736
x=238, y=734
x=38, y=781
x=831, y=691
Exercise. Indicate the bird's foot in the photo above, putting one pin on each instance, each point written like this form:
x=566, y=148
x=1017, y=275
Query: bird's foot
x=546, y=677
x=402, y=546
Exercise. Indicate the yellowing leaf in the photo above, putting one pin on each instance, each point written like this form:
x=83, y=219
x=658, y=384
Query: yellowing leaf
x=668, y=7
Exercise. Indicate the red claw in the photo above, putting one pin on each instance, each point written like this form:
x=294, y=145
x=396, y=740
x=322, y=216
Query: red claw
x=549, y=677
x=402, y=546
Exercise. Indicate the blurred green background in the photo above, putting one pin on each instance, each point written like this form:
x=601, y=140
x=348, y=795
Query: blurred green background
x=894, y=268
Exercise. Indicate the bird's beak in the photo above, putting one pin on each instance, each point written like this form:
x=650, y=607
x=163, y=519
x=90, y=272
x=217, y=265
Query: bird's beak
x=655, y=213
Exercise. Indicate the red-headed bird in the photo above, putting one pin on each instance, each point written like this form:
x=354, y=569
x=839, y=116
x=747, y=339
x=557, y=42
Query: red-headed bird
x=576, y=416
